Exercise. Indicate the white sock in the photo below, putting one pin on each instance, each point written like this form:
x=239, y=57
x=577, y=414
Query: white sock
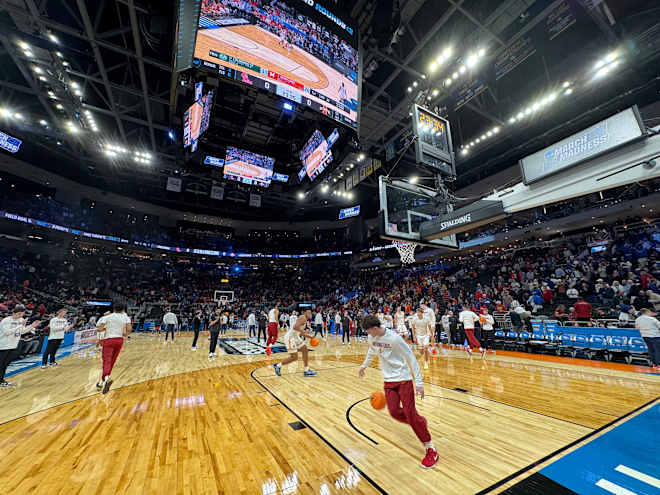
x=429, y=445
x=306, y=368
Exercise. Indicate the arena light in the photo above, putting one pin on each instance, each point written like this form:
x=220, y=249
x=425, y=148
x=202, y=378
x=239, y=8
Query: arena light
x=287, y=106
x=74, y=85
x=568, y=91
x=59, y=106
x=4, y=112
x=18, y=116
x=59, y=54
x=65, y=63
x=436, y=92
x=77, y=92
x=325, y=188
x=414, y=84
x=448, y=81
x=301, y=195
x=566, y=84
x=23, y=45
x=413, y=179
x=38, y=69
x=53, y=38
x=433, y=66
x=43, y=122
x=464, y=152
x=43, y=78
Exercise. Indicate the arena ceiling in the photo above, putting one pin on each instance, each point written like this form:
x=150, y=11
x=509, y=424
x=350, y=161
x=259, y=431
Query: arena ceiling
x=110, y=62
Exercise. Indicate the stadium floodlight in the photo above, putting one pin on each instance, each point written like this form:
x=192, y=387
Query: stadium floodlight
x=43, y=122
x=566, y=84
x=489, y=133
x=599, y=64
x=568, y=91
x=464, y=152
x=448, y=81
x=361, y=157
x=483, y=137
x=301, y=195
x=536, y=106
x=471, y=61
x=77, y=92
x=512, y=120
x=38, y=69
x=65, y=63
x=520, y=116
x=611, y=57
x=23, y=45
x=482, y=52
x=413, y=179
x=350, y=195
x=28, y=53
x=447, y=52
x=433, y=66
x=496, y=129
x=462, y=69
x=325, y=188
x=43, y=78
x=454, y=75
x=74, y=85
x=59, y=106
x=436, y=91
x=528, y=111
x=409, y=89
x=59, y=54
x=170, y=134
x=53, y=38
x=287, y=106
x=18, y=116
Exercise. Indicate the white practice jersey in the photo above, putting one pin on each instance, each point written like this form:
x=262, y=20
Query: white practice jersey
x=394, y=356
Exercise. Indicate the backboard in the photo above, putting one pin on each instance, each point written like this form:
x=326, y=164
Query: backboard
x=404, y=206
x=223, y=297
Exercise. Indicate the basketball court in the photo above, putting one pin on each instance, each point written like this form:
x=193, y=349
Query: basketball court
x=177, y=419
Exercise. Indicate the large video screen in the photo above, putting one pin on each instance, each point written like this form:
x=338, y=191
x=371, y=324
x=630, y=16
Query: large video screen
x=315, y=155
x=248, y=168
x=296, y=49
x=197, y=118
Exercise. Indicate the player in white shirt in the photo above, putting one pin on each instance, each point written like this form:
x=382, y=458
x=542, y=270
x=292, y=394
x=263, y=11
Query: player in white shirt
x=468, y=318
x=112, y=328
x=446, y=325
x=294, y=339
x=318, y=324
x=11, y=329
x=252, y=324
x=292, y=320
x=396, y=360
x=273, y=328
x=487, y=328
x=58, y=327
x=388, y=321
x=400, y=323
x=171, y=322
x=423, y=335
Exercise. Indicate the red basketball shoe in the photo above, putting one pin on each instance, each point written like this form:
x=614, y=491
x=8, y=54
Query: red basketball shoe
x=430, y=459
x=268, y=351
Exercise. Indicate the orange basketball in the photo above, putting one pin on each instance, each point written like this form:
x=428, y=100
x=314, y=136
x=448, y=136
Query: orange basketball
x=378, y=400
x=409, y=341
x=482, y=319
x=314, y=342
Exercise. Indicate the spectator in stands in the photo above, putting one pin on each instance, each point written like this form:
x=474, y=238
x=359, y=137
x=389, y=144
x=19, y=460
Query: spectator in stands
x=548, y=295
x=572, y=293
x=649, y=328
x=582, y=311
x=627, y=315
x=654, y=299
x=560, y=313
x=606, y=294
x=641, y=301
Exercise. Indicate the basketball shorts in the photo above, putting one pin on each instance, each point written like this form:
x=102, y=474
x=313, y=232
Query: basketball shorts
x=423, y=340
x=293, y=341
x=402, y=330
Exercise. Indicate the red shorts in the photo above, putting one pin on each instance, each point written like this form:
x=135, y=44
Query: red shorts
x=272, y=333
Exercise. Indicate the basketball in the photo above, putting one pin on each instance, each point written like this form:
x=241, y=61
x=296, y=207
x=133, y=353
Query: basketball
x=378, y=400
x=314, y=342
x=482, y=319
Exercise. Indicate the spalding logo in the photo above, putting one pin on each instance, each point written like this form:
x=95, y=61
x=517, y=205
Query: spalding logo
x=456, y=221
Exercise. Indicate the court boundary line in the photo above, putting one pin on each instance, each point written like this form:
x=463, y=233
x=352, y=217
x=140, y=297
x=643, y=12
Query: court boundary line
x=348, y=413
x=321, y=437
x=565, y=447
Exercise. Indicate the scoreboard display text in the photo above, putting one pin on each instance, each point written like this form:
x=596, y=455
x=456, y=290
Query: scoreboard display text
x=433, y=145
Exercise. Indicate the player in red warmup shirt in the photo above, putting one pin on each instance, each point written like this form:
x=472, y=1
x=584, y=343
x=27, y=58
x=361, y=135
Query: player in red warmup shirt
x=394, y=357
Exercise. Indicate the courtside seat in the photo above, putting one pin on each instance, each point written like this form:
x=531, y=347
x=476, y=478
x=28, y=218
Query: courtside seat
x=511, y=338
x=565, y=341
x=499, y=339
x=638, y=350
x=581, y=345
x=551, y=344
x=618, y=347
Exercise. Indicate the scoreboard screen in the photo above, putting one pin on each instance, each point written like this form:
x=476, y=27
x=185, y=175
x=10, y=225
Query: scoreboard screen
x=433, y=145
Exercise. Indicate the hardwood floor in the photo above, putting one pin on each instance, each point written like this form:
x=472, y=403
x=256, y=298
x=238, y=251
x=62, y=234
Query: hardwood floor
x=176, y=422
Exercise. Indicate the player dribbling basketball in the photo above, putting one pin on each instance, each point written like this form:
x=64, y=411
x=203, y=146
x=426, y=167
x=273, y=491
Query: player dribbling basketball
x=294, y=340
x=396, y=360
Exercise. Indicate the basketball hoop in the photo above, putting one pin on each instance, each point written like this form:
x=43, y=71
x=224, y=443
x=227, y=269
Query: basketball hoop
x=406, y=251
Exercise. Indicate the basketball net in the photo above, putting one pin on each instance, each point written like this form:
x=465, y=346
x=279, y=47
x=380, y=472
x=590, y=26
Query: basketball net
x=406, y=251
